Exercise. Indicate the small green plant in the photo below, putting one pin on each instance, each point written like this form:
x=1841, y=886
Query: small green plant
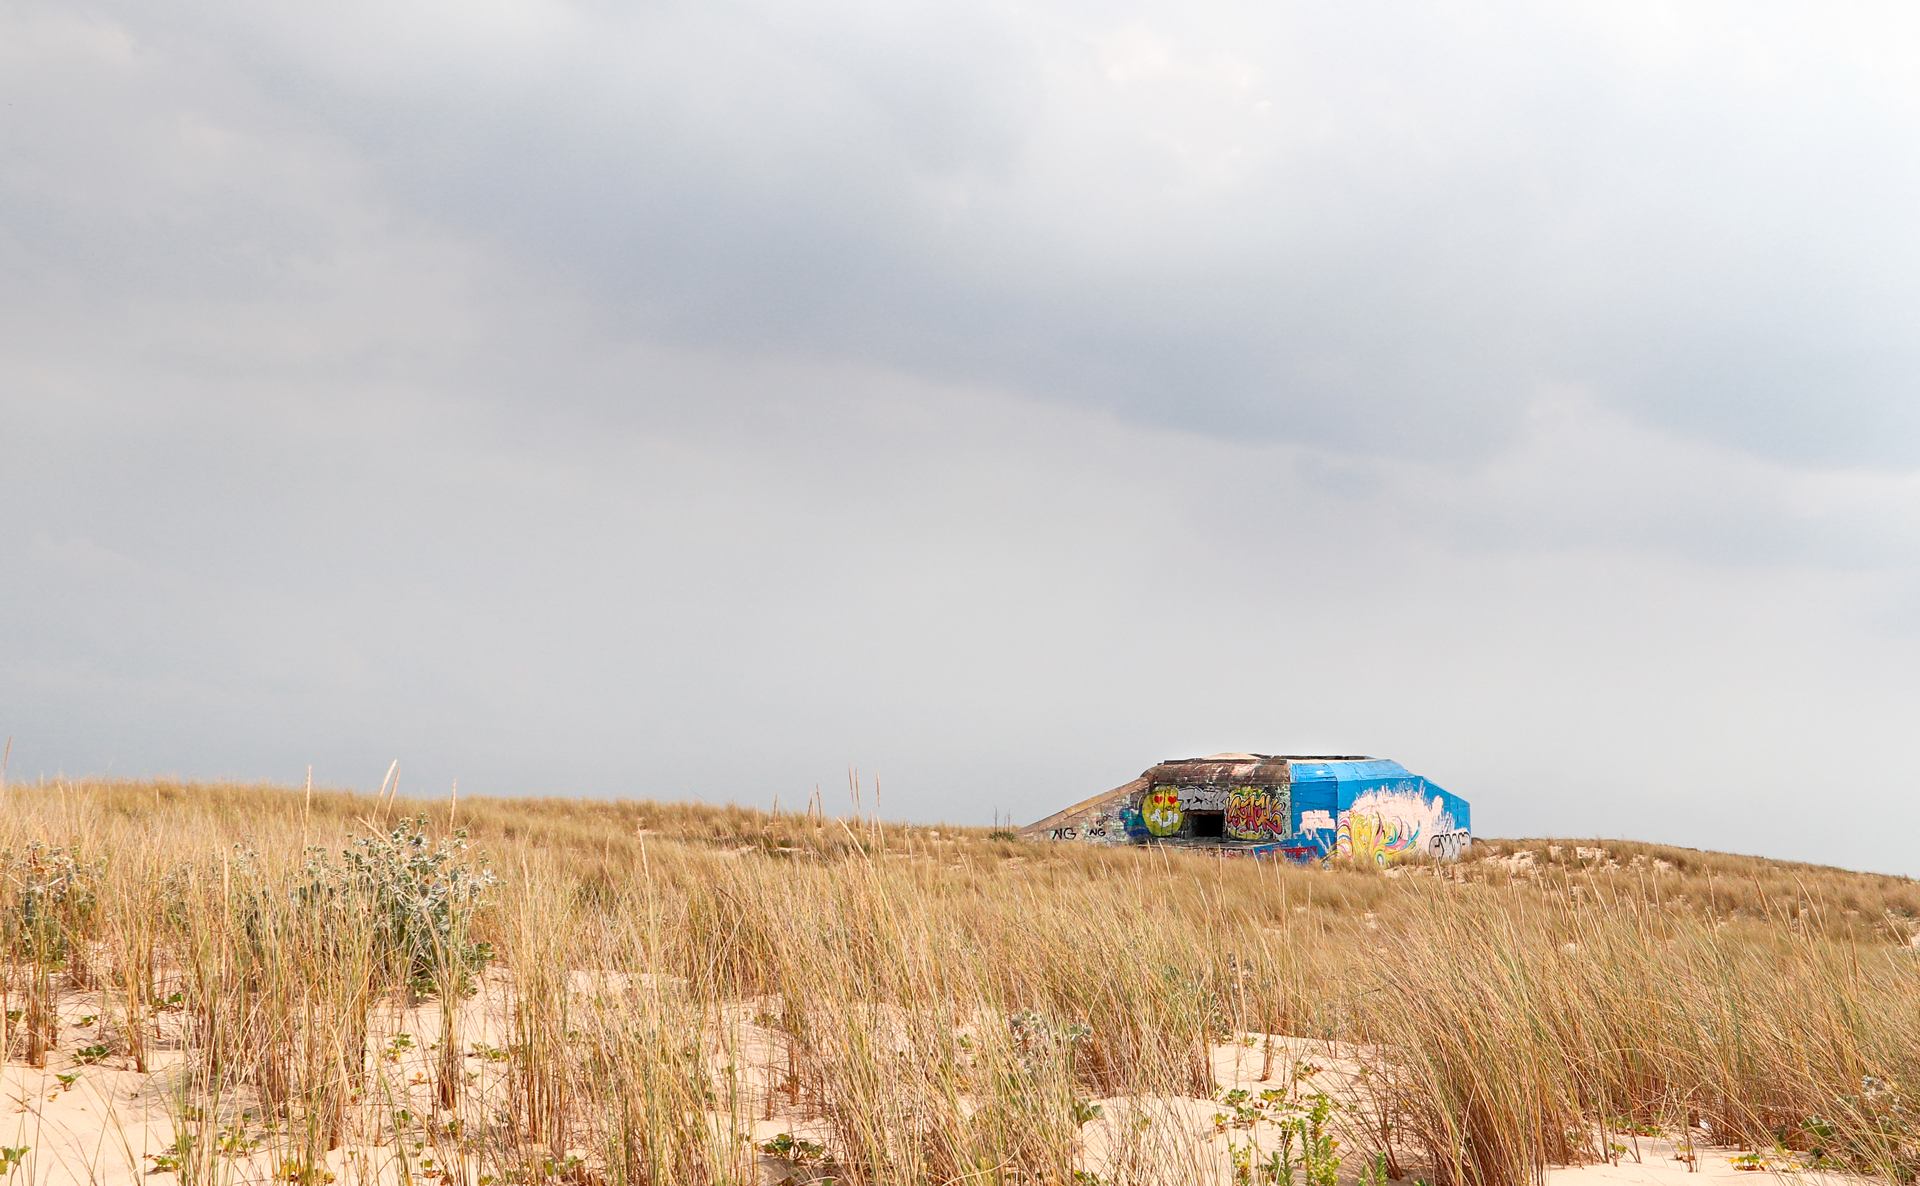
x=237, y=1139
x=1375, y=1173
x=12, y=1157
x=1248, y=1109
x=1307, y=1153
x=298, y=1172
x=237, y=1142
x=571, y=1168
x=1240, y=1155
x=1281, y=1167
x=91, y=1054
x=1319, y=1150
x=170, y=1159
x=1633, y=1127
x=797, y=1150
x=1038, y=1038
x=1245, y=1111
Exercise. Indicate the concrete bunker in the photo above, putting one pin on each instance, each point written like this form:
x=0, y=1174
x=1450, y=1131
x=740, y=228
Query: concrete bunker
x=1301, y=807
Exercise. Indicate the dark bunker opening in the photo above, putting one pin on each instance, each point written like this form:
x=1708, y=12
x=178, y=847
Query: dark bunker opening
x=1208, y=825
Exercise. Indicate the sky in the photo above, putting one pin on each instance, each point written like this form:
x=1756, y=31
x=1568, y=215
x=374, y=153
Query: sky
x=708, y=399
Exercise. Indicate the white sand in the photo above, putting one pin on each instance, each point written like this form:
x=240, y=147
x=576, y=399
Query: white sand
x=111, y=1126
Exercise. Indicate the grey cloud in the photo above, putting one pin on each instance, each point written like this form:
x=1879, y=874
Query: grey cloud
x=1326, y=227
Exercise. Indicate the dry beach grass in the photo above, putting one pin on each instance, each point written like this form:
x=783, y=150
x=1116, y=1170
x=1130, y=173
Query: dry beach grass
x=227, y=984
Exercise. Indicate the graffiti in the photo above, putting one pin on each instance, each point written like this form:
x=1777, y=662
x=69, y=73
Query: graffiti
x=1161, y=811
x=1316, y=821
x=1257, y=813
x=1108, y=828
x=1101, y=829
x=1388, y=823
x=1369, y=837
x=1203, y=798
x=1298, y=853
x=1447, y=846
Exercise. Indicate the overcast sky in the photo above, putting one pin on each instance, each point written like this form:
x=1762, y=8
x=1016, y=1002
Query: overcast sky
x=701, y=398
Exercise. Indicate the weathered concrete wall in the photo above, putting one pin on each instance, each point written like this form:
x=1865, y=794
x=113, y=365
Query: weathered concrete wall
x=1248, y=812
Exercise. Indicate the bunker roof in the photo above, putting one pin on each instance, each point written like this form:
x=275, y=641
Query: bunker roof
x=1237, y=769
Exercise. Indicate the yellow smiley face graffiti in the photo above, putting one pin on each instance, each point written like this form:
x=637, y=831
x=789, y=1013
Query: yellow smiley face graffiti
x=1160, y=811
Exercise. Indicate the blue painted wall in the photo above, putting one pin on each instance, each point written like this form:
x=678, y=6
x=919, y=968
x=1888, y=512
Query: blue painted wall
x=1373, y=809
x=1384, y=811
